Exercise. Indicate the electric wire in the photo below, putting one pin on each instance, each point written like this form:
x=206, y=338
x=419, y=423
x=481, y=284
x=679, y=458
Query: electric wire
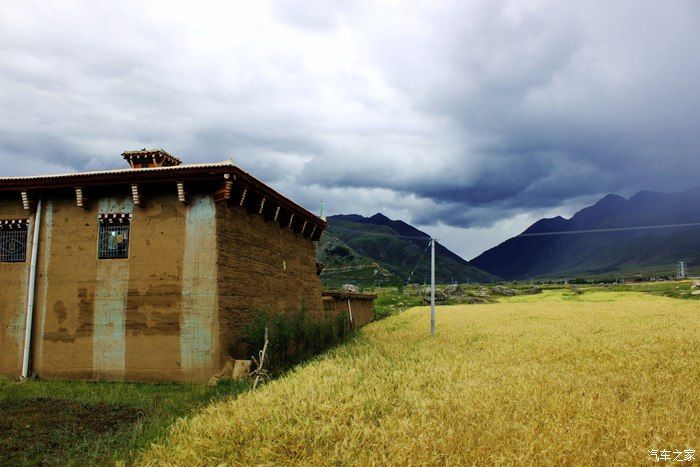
x=611, y=229
x=392, y=235
x=417, y=263
x=535, y=234
x=380, y=234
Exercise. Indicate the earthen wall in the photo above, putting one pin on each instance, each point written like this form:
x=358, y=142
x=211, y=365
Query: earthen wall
x=261, y=266
x=361, y=305
x=149, y=317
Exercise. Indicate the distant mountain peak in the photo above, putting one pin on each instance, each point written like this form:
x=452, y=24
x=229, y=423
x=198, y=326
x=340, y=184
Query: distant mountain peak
x=604, y=251
x=348, y=217
x=610, y=198
x=379, y=216
x=551, y=224
x=609, y=201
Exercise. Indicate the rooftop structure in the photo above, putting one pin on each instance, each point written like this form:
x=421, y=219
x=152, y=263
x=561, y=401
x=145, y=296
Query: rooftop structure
x=145, y=158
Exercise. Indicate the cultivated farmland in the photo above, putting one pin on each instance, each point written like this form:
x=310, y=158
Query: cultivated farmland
x=597, y=378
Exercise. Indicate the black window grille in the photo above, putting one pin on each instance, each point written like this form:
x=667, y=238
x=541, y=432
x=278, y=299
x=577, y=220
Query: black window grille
x=114, y=236
x=13, y=240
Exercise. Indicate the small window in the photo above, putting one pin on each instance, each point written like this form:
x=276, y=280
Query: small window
x=13, y=240
x=114, y=236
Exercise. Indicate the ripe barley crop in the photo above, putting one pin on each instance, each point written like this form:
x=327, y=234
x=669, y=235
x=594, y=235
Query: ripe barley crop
x=600, y=378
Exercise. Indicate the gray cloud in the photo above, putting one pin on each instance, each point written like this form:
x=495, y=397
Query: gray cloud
x=458, y=114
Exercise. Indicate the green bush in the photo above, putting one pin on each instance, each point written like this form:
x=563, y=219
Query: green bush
x=294, y=337
x=254, y=333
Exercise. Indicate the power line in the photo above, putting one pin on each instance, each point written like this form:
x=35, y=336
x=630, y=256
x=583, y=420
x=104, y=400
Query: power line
x=365, y=232
x=612, y=229
x=390, y=235
x=417, y=263
x=534, y=234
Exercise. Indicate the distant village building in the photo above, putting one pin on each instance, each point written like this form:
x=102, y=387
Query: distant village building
x=147, y=273
x=358, y=306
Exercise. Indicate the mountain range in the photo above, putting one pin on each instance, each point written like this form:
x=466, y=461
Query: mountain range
x=606, y=250
x=377, y=249
x=615, y=236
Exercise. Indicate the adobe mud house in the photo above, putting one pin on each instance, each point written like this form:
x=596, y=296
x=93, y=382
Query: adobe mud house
x=145, y=273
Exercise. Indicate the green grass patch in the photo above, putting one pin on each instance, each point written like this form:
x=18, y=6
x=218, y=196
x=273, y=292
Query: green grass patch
x=78, y=423
x=674, y=289
x=395, y=299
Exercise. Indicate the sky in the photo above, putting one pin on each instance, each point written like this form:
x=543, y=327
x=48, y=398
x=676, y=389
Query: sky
x=468, y=119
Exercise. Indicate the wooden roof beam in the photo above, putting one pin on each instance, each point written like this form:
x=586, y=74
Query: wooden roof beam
x=80, y=199
x=136, y=194
x=225, y=192
x=27, y=201
x=182, y=195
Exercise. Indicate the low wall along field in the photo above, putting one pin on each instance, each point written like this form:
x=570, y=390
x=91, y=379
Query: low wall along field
x=599, y=378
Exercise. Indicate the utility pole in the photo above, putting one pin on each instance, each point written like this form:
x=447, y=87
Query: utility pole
x=432, y=287
x=681, y=270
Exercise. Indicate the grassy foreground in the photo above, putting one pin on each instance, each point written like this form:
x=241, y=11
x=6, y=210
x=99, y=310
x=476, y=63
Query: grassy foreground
x=81, y=423
x=598, y=378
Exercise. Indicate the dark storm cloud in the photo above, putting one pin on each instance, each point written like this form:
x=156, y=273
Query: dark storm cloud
x=562, y=101
x=448, y=113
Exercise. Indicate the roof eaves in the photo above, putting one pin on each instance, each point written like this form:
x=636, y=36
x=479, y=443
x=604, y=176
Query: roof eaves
x=41, y=182
x=183, y=167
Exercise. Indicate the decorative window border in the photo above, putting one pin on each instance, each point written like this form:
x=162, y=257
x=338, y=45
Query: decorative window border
x=115, y=218
x=14, y=224
x=13, y=240
x=114, y=227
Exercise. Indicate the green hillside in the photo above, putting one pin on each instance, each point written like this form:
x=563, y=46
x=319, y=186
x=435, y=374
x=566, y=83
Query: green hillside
x=378, y=250
x=343, y=264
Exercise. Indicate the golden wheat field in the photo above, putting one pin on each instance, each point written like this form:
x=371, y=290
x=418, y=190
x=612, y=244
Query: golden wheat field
x=596, y=379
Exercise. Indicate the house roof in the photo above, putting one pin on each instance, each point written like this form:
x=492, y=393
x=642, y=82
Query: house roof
x=105, y=176
x=218, y=172
x=349, y=295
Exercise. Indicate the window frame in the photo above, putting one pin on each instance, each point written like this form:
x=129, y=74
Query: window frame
x=19, y=227
x=108, y=224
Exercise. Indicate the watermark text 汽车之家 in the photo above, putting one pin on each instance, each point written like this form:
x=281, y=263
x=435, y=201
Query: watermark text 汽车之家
x=671, y=455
